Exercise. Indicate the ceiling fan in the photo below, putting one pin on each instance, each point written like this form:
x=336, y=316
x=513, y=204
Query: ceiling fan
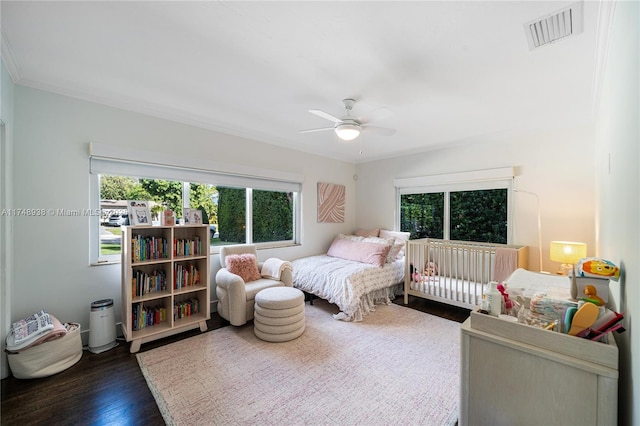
x=348, y=127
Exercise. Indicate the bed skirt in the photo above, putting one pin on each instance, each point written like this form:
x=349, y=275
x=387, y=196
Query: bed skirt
x=368, y=302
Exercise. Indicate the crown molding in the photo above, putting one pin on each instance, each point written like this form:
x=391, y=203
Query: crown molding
x=6, y=53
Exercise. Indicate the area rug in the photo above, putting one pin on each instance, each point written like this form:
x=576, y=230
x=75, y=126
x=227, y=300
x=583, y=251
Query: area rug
x=397, y=367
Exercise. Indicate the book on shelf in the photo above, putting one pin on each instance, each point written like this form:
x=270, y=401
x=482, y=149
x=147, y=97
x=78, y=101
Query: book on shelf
x=187, y=247
x=186, y=308
x=143, y=283
x=147, y=316
x=185, y=276
x=148, y=248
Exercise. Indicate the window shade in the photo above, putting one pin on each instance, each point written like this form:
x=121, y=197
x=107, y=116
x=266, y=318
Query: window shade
x=119, y=161
x=465, y=181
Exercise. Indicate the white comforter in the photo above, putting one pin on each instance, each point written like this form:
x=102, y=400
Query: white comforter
x=353, y=286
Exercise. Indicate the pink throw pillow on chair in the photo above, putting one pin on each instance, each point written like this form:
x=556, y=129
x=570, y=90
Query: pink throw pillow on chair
x=244, y=265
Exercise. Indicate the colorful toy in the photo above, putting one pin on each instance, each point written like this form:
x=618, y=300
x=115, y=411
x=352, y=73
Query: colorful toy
x=592, y=295
x=584, y=318
x=597, y=268
x=430, y=270
x=507, y=302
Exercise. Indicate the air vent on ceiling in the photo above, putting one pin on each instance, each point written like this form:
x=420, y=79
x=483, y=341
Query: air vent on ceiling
x=557, y=26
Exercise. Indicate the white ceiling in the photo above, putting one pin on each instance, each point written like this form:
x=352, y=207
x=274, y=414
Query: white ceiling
x=452, y=72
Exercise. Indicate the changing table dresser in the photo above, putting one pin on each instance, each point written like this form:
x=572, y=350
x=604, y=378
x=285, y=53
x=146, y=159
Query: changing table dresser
x=516, y=374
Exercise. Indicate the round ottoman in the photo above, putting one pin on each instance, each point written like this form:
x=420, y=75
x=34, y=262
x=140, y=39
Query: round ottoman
x=279, y=314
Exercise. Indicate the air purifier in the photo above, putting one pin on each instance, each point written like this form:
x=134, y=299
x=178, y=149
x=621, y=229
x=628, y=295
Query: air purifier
x=102, y=326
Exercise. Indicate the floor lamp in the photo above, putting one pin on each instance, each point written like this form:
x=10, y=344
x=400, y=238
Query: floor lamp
x=568, y=253
x=539, y=223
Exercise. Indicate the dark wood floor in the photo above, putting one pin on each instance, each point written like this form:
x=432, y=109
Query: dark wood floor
x=435, y=308
x=109, y=389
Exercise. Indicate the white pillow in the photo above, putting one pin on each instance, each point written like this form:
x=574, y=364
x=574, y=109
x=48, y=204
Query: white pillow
x=350, y=237
x=401, y=238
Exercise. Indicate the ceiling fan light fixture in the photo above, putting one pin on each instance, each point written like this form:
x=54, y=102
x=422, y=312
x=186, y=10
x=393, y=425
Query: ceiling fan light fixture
x=347, y=131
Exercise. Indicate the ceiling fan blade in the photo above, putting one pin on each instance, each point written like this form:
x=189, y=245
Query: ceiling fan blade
x=376, y=114
x=325, y=115
x=316, y=130
x=382, y=131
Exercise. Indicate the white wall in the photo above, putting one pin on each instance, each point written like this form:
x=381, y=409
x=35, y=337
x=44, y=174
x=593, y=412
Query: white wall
x=51, y=170
x=557, y=166
x=587, y=178
x=618, y=198
x=6, y=249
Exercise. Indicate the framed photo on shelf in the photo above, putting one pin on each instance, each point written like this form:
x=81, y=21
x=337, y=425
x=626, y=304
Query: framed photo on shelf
x=195, y=217
x=139, y=213
x=185, y=217
x=168, y=218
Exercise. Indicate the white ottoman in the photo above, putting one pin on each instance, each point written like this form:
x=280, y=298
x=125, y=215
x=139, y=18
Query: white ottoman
x=279, y=314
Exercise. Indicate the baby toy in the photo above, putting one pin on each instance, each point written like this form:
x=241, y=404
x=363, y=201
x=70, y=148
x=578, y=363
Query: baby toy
x=430, y=270
x=592, y=295
x=598, y=268
x=507, y=302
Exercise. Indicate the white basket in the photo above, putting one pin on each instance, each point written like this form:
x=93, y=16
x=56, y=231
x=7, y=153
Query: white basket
x=48, y=358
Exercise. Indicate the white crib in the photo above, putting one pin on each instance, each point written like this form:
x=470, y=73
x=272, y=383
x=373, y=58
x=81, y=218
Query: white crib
x=453, y=272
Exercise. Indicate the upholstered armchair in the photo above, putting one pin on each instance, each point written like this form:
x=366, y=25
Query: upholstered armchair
x=237, y=291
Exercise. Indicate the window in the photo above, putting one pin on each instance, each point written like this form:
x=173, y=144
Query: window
x=272, y=216
x=478, y=216
x=239, y=209
x=422, y=214
x=463, y=206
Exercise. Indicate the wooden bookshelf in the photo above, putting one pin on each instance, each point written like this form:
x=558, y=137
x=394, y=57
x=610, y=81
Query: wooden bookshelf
x=165, y=281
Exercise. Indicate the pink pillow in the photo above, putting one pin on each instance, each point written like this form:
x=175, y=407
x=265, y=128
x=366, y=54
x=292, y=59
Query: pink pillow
x=367, y=232
x=244, y=265
x=359, y=251
x=393, y=251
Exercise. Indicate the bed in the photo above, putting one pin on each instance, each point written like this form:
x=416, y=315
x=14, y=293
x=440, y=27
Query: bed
x=356, y=274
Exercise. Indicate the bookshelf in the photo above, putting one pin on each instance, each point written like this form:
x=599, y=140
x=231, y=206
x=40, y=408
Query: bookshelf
x=165, y=281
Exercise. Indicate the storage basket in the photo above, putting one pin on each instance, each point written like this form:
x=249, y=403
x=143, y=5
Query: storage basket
x=48, y=358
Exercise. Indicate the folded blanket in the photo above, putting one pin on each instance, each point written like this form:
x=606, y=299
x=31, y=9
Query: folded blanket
x=594, y=267
x=273, y=267
x=57, y=331
x=505, y=262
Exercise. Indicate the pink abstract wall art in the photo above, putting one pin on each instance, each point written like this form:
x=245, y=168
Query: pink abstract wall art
x=331, y=200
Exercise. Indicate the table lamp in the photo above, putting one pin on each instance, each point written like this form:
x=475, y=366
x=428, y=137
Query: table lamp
x=568, y=253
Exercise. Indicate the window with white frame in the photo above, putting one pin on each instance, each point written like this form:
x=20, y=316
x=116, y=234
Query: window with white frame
x=239, y=208
x=473, y=206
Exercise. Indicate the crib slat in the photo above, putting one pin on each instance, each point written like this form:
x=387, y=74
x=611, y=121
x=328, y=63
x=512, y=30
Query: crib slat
x=464, y=270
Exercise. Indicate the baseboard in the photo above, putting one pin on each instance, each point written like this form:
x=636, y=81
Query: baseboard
x=84, y=334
